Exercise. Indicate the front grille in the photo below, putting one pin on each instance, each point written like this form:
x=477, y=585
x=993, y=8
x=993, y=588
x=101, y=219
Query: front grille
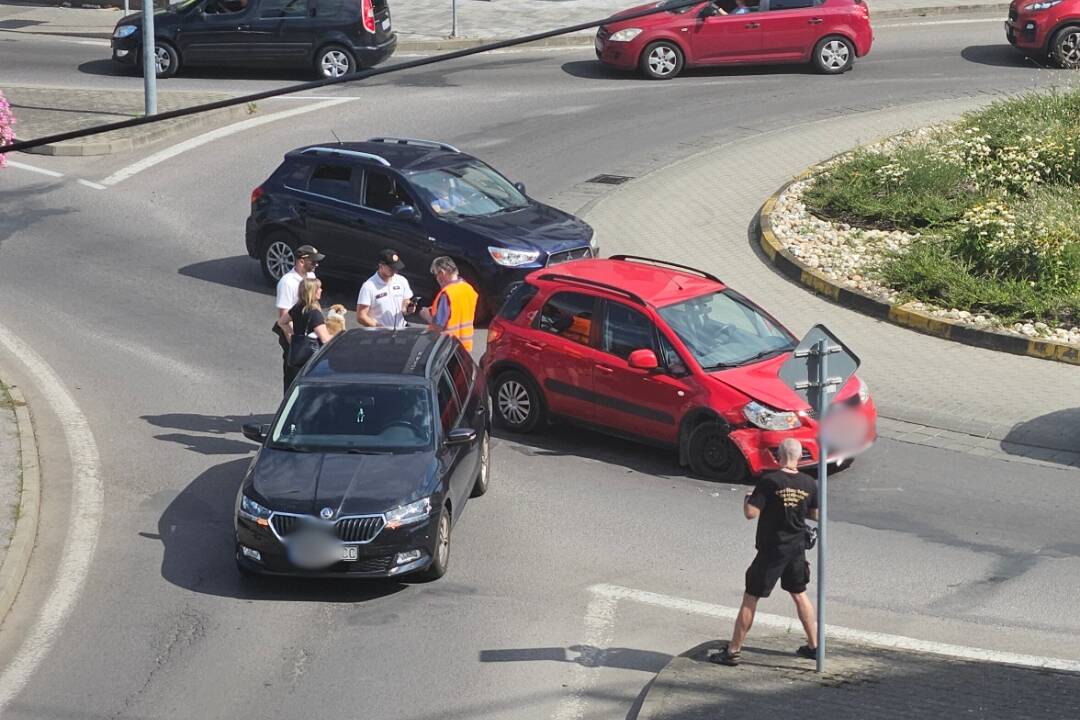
x=358, y=529
x=575, y=254
x=349, y=529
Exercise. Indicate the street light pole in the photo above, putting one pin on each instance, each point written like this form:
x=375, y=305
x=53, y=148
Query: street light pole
x=453, y=18
x=149, y=61
x=823, y=495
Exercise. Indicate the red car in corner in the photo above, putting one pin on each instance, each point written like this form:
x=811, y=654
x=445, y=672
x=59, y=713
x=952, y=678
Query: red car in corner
x=828, y=34
x=1046, y=28
x=662, y=354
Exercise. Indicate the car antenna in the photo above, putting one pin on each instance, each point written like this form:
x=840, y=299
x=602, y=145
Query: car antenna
x=336, y=137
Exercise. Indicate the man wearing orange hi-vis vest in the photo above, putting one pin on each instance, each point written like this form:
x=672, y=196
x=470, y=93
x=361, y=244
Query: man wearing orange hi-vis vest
x=453, y=309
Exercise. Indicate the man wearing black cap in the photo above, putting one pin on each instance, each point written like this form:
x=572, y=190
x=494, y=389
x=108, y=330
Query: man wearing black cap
x=288, y=290
x=385, y=297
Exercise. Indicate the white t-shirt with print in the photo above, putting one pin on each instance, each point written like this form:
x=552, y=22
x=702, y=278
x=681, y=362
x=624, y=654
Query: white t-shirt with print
x=384, y=300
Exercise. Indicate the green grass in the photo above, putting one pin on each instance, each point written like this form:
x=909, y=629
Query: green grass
x=996, y=198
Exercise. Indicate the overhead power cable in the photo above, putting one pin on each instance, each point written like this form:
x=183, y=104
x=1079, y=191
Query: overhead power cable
x=356, y=77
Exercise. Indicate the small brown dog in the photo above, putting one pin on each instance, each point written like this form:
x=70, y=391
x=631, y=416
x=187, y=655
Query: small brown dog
x=335, y=319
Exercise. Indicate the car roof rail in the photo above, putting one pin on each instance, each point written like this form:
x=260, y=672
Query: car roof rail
x=594, y=283
x=654, y=261
x=348, y=153
x=414, y=141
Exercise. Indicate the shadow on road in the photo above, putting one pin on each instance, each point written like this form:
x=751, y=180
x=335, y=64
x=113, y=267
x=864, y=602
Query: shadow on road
x=243, y=273
x=196, y=532
x=1001, y=55
x=595, y=70
x=216, y=426
x=1054, y=437
x=17, y=216
x=108, y=68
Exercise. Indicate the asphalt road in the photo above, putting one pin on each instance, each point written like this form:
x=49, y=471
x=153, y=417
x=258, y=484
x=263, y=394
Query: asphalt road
x=142, y=300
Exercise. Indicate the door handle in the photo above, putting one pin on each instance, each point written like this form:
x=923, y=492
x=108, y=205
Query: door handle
x=815, y=21
x=534, y=346
x=604, y=369
x=751, y=26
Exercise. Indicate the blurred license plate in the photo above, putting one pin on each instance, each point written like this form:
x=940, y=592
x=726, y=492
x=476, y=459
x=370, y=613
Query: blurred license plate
x=349, y=553
x=385, y=26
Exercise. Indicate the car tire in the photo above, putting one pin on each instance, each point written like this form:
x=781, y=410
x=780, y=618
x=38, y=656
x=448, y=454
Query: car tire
x=440, y=559
x=1065, y=47
x=833, y=55
x=165, y=57
x=483, y=473
x=662, y=60
x=714, y=456
x=517, y=403
x=334, y=61
x=277, y=256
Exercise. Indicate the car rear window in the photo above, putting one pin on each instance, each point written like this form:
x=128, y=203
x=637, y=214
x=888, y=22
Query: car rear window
x=333, y=181
x=329, y=8
x=518, y=295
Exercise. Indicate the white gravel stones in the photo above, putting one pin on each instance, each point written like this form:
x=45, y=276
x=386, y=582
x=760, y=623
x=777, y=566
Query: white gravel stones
x=850, y=256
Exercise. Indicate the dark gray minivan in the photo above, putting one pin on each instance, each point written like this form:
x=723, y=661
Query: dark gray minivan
x=334, y=37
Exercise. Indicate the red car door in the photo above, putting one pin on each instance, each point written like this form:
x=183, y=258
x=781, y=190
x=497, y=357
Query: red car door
x=725, y=38
x=562, y=340
x=647, y=404
x=790, y=28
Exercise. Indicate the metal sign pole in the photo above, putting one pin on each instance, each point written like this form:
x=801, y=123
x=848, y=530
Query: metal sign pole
x=823, y=480
x=453, y=18
x=149, y=63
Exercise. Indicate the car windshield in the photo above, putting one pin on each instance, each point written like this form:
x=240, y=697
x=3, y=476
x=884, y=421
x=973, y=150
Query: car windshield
x=354, y=417
x=673, y=6
x=724, y=329
x=467, y=190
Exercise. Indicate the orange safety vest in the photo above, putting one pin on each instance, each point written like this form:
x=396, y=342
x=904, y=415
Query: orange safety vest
x=462, y=310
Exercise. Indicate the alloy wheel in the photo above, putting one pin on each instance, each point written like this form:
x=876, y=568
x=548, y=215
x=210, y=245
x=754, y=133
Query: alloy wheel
x=662, y=60
x=835, y=54
x=442, y=545
x=485, y=459
x=1070, y=49
x=279, y=258
x=334, y=64
x=514, y=403
x=162, y=61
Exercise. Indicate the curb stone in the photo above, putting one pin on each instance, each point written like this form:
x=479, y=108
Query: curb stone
x=795, y=270
x=22, y=542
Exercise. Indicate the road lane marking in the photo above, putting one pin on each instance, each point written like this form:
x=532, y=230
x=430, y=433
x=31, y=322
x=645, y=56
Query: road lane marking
x=84, y=521
x=31, y=168
x=93, y=185
x=792, y=625
x=599, y=619
x=199, y=140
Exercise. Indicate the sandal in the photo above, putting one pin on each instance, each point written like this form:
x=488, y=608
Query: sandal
x=726, y=657
x=805, y=651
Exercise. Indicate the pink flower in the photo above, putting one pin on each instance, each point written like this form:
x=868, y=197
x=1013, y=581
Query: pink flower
x=7, y=131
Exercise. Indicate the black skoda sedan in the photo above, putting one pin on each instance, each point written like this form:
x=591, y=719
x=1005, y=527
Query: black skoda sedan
x=368, y=465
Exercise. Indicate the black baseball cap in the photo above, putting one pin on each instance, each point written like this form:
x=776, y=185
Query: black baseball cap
x=307, y=251
x=390, y=259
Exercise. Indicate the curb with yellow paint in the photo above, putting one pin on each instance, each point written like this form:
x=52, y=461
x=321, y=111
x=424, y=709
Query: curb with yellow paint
x=792, y=268
x=17, y=559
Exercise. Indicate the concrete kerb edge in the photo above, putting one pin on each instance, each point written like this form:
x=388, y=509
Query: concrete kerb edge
x=917, y=320
x=24, y=538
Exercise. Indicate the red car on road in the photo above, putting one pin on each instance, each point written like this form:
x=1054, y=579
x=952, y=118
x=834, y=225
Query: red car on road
x=1046, y=28
x=829, y=34
x=660, y=353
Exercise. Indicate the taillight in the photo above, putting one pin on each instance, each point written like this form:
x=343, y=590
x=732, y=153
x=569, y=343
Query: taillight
x=256, y=194
x=495, y=331
x=367, y=13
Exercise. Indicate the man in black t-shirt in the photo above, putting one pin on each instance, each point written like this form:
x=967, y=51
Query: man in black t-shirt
x=782, y=501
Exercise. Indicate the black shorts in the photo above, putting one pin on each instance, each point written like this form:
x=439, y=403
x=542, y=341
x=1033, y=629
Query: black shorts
x=789, y=567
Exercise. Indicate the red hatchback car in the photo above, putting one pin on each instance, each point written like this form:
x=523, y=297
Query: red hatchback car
x=659, y=353
x=1046, y=28
x=829, y=34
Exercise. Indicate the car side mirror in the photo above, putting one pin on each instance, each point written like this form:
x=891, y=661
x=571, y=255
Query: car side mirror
x=520, y=187
x=643, y=360
x=406, y=213
x=255, y=432
x=709, y=10
x=460, y=436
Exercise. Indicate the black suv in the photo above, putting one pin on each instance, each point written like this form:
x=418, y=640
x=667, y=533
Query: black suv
x=334, y=37
x=421, y=198
x=375, y=450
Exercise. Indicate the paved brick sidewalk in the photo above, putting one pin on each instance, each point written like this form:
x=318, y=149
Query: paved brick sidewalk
x=860, y=683
x=430, y=20
x=700, y=212
x=45, y=111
